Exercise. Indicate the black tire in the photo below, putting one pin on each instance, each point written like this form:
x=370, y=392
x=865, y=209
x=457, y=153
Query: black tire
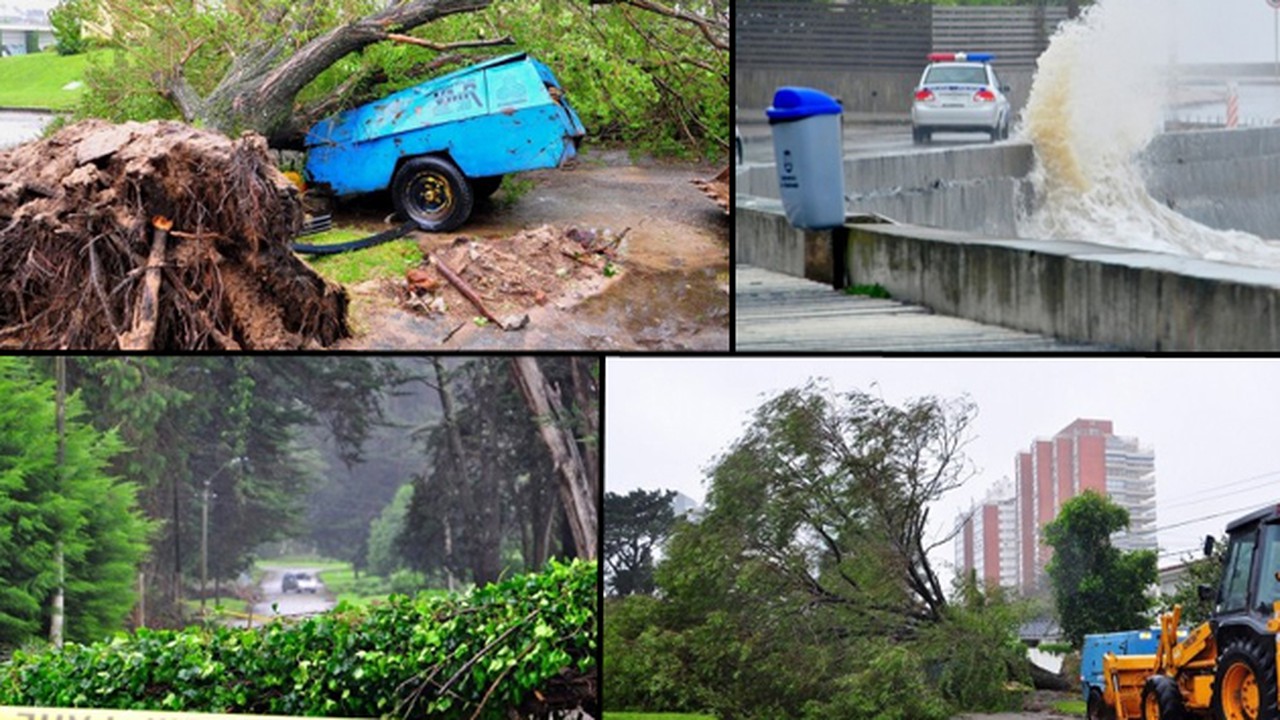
x=1160, y=694
x=1244, y=656
x=919, y=136
x=433, y=193
x=485, y=186
x=1097, y=709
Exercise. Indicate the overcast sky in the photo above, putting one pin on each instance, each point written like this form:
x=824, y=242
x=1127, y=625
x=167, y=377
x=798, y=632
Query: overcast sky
x=1211, y=423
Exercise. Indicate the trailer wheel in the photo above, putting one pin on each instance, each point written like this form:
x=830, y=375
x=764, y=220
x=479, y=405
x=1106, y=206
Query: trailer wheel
x=1161, y=699
x=1244, y=686
x=433, y=193
x=1097, y=708
x=483, y=187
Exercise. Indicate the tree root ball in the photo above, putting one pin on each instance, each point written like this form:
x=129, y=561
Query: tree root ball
x=79, y=214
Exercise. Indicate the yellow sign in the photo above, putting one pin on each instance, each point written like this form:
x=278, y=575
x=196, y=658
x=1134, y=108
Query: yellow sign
x=22, y=713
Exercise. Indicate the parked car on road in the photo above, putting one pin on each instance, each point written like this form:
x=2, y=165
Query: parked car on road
x=289, y=582
x=307, y=583
x=960, y=92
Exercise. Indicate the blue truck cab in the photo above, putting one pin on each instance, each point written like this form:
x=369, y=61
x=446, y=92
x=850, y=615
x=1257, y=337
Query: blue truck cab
x=441, y=144
x=1129, y=642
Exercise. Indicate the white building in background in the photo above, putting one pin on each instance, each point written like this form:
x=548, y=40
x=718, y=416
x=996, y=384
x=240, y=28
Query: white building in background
x=682, y=505
x=1085, y=455
x=987, y=541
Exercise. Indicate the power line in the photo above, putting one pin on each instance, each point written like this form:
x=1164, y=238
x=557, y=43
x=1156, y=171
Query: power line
x=1214, y=492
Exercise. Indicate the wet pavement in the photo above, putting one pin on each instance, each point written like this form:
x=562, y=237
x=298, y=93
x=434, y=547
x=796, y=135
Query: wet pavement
x=672, y=292
x=777, y=312
x=275, y=603
x=18, y=126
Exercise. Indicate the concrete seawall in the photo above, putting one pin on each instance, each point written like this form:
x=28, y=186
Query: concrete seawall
x=1075, y=291
x=1226, y=179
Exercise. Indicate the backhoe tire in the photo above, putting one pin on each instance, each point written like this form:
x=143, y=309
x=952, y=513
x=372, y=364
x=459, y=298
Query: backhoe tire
x=1244, y=686
x=1161, y=699
x=433, y=193
x=1097, y=708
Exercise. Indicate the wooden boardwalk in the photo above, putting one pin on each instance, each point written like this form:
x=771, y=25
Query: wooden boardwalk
x=780, y=313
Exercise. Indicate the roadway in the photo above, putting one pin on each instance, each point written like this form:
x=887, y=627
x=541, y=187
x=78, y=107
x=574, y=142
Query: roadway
x=276, y=603
x=862, y=137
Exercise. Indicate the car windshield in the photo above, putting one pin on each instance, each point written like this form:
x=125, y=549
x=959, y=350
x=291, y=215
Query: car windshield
x=956, y=74
x=303, y=576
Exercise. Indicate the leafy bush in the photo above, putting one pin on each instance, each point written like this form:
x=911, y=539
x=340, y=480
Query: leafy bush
x=892, y=687
x=67, y=19
x=974, y=654
x=441, y=656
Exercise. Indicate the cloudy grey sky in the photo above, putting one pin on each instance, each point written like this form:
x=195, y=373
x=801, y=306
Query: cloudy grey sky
x=1224, y=30
x=1212, y=423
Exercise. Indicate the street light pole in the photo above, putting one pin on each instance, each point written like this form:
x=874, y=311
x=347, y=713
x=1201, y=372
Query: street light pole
x=204, y=543
x=204, y=527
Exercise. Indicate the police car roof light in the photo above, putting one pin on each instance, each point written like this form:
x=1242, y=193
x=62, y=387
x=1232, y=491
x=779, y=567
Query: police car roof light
x=961, y=57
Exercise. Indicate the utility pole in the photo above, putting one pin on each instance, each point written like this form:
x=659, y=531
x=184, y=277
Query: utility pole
x=204, y=544
x=60, y=373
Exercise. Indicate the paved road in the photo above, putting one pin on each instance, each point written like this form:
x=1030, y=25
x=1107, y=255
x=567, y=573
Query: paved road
x=860, y=139
x=291, y=603
x=19, y=127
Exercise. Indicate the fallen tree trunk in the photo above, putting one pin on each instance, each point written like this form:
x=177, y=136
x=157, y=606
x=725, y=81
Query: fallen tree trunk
x=77, y=267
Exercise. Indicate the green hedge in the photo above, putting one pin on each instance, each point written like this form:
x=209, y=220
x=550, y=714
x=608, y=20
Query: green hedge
x=437, y=656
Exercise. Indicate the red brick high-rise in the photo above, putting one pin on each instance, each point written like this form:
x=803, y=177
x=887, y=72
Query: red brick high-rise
x=1085, y=455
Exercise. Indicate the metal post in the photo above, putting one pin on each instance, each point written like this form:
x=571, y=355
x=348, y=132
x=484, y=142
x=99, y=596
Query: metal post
x=839, y=244
x=204, y=544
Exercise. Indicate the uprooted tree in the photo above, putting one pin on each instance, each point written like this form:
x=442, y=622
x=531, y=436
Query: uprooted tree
x=240, y=65
x=637, y=71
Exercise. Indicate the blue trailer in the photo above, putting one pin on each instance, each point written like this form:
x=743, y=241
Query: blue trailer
x=1129, y=642
x=441, y=144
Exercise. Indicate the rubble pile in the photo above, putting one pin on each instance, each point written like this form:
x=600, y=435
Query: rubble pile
x=511, y=275
x=155, y=236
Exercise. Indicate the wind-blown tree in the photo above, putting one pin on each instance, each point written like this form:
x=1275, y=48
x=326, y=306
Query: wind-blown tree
x=484, y=486
x=1096, y=587
x=78, y=505
x=186, y=419
x=809, y=565
x=635, y=524
x=831, y=492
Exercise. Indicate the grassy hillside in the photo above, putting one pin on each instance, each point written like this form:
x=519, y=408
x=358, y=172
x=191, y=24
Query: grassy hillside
x=37, y=81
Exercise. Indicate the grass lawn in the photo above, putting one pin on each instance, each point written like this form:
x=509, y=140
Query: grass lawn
x=36, y=81
x=344, y=585
x=309, y=561
x=388, y=260
x=1070, y=707
x=653, y=716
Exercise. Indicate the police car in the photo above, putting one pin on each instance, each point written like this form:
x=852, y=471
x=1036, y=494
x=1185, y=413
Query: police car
x=960, y=92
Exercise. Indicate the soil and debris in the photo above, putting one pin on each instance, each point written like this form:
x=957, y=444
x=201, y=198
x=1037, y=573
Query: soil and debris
x=155, y=236
x=500, y=279
x=717, y=188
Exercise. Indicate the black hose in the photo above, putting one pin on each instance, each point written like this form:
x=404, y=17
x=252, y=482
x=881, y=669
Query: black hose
x=384, y=236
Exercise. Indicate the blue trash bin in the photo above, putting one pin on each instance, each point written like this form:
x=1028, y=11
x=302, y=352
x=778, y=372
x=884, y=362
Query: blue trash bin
x=810, y=162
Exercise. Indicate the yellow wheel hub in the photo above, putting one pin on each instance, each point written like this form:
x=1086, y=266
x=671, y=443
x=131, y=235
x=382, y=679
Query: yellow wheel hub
x=1239, y=693
x=1152, y=709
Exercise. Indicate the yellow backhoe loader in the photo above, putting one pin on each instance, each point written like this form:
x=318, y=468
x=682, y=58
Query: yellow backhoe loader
x=1225, y=668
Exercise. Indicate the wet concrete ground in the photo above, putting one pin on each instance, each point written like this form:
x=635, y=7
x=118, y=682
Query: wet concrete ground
x=672, y=293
